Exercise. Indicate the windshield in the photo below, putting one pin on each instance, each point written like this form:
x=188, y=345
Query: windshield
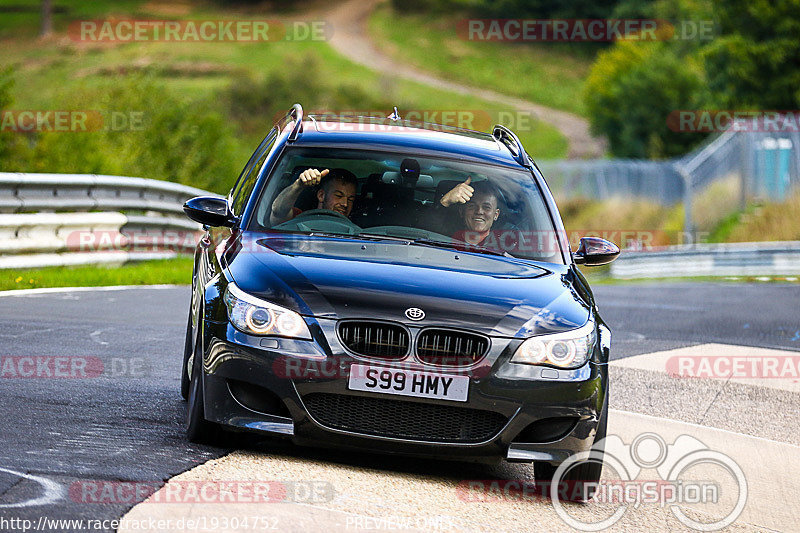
x=420, y=200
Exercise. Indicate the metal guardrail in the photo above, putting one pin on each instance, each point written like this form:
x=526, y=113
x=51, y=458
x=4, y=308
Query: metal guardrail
x=602, y=179
x=725, y=259
x=33, y=193
x=56, y=219
x=72, y=219
x=756, y=162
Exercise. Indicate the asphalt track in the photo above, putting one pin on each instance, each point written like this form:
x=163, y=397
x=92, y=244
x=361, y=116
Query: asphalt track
x=69, y=433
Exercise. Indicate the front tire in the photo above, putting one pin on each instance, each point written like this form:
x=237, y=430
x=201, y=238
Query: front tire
x=198, y=429
x=189, y=341
x=579, y=483
x=188, y=346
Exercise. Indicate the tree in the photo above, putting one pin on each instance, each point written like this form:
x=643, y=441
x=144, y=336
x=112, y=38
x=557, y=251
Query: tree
x=755, y=62
x=631, y=91
x=47, y=18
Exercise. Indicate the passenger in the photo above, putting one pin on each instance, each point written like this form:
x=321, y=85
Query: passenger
x=478, y=210
x=337, y=192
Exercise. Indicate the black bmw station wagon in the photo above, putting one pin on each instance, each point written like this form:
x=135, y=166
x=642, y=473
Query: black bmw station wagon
x=401, y=287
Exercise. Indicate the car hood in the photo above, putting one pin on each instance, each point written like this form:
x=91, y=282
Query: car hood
x=343, y=278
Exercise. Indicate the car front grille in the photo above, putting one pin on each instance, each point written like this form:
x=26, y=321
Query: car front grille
x=406, y=420
x=375, y=339
x=450, y=348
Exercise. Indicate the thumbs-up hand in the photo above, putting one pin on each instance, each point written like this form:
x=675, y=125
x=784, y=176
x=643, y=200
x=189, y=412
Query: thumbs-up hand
x=311, y=177
x=460, y=194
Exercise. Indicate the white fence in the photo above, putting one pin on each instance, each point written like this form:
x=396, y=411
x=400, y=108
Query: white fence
x=726, y=259
x=57, y=219
x=765, y=165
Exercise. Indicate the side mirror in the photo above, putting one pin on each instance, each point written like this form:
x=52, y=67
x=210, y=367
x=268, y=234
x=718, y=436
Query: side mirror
x=209, y=211
x=594, y=251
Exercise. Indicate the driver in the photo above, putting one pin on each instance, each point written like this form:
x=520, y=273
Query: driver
x=337, y=192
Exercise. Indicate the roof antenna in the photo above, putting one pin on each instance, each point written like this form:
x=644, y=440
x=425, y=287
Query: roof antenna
x=395, y=115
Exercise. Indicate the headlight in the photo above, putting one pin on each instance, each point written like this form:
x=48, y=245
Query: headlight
x=570, y=349
x=258, y=317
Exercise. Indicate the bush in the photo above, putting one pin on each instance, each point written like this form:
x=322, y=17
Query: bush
x=754, y=61
x=180, y=140
x=14, y=151
x=575, y=9
x=631, y=90
x=748, y=65
x=434, y=6
x=255, y=104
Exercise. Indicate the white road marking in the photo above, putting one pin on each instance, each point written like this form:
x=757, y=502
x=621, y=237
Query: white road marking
x=724, y=362
x=51, y=290
x=95, y=337
x=771, y=469
x=53, y=492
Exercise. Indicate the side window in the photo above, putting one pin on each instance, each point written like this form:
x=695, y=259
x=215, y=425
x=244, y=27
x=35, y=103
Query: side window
x=244, y=187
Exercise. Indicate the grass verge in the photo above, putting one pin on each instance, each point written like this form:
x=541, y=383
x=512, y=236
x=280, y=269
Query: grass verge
x=60, y=73
x=544, y=73
x=776, y=221
x=164, y=271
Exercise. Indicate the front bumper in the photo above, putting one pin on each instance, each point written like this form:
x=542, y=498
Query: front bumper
x=293, y=370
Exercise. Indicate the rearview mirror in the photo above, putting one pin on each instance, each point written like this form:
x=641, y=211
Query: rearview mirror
x=594, y=251
x=209, y=211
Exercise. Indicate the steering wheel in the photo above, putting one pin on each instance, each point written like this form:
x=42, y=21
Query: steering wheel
x=338, y=218
x=320, y=212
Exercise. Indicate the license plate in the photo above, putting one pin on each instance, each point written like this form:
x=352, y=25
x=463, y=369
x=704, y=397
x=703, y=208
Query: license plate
x=408, y=383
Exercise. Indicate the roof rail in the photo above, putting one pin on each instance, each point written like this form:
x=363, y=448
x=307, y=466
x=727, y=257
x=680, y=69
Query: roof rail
x=507, y=138
x=296, y=113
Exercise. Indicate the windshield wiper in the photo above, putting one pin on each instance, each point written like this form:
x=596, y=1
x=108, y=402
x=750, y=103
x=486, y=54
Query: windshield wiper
x=376, y=237
x=326, y=234
x=461, y=247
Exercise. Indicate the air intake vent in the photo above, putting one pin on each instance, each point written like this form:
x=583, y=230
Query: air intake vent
x=451, y=348
x=375, y=339
x=400, y=419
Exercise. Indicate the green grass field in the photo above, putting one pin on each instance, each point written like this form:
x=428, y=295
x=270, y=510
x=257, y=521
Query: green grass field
x=47, y=72
x=166, y=271
x=544, y=73
x=50, y=73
